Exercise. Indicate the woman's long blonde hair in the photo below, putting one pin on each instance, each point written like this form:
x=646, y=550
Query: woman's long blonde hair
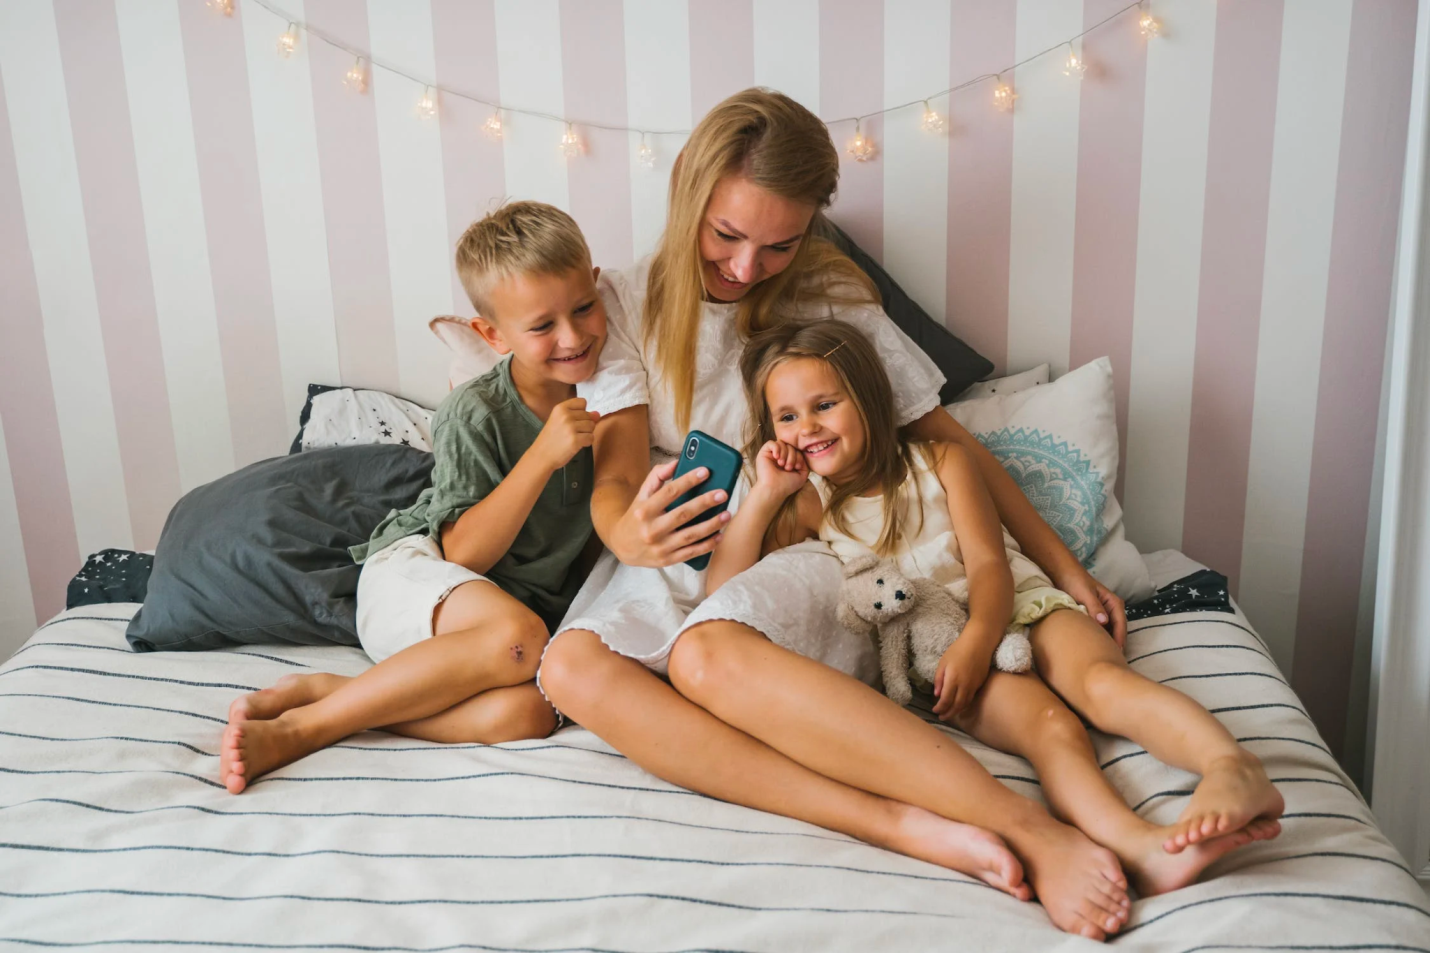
x=783, y=148
x=888, y=457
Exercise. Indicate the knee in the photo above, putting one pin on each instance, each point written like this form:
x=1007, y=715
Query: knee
x=1103, y=684
x=521, y=641
x=520, y=716
x=702, y=661
x=576, y=669
x=1057, y=725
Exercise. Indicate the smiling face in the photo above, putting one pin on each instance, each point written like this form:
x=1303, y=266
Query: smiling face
x=748, y=235
x=810, y=409
x=552, y=325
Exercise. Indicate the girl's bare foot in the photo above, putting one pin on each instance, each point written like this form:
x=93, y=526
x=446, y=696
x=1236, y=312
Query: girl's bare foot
x=1153, y=871
x=1080, y=884
x=254, y=748
x=969, y=850
x=1234, y=792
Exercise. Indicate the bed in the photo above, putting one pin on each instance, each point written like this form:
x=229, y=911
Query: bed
x=116, y=834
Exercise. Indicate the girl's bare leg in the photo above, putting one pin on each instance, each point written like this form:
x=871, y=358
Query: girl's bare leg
x=1021, y=715
x=504, y=649
x=1079, y=662
x=643, y=717
x=845, y=731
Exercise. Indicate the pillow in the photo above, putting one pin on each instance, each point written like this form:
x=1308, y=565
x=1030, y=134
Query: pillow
x=261, y=555
x=472, y=356
x=110, y=575
x=960, y=364
x=342, y=416
x=1012, y=384
x=1059, y=441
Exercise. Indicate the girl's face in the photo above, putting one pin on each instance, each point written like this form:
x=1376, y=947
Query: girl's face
x=811, y=411
x=748, y=235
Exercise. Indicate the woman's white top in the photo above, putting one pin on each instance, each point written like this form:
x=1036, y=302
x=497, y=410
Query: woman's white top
x=789, y=596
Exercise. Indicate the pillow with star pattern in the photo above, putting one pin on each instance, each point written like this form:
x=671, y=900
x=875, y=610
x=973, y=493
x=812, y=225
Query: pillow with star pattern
x=346, y=417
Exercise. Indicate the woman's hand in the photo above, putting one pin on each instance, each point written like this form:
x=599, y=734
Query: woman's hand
x=961, y=673
x=649, y=536
x=780, y=469
x=1100, y=602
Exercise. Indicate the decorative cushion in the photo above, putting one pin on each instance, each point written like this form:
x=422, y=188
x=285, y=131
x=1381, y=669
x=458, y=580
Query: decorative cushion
x=343, y=417
x=1012, y=384
x=1059, y=442
x=471, y=355
x=111, y=575
x=261, y=555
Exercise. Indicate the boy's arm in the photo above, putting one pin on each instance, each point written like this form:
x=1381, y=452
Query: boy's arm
x=483, y=534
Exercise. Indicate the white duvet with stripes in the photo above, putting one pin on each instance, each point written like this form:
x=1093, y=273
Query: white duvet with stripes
x=115, y=834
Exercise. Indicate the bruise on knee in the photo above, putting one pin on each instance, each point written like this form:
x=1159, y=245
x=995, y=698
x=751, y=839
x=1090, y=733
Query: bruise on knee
x=518, y=652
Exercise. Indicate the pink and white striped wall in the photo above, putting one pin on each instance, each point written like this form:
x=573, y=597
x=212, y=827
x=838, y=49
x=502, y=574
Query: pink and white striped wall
x=194, y=228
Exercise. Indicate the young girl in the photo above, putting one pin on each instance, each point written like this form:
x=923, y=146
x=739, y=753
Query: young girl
x=830, y=463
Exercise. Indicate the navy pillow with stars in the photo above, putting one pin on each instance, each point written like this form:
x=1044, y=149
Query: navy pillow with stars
x=1202, y=591
x=111, y=575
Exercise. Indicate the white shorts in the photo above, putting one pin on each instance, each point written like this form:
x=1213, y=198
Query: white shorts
x=398, y=592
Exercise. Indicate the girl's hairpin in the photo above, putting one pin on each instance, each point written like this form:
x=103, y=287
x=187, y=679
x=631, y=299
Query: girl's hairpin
x=833, y=349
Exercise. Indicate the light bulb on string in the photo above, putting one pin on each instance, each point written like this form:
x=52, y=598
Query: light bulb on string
x=1148, y=24
x=1074, y=66
x=1003, y=96
x=861, y=147
x=427, y=105
x=932, y=121
x=288, y=41
x=570, y=143
x=645, y=155
x=224, y=7
x=356, y=78
x=493, y=126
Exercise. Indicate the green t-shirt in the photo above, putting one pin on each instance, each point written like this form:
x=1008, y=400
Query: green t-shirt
x=478, y=434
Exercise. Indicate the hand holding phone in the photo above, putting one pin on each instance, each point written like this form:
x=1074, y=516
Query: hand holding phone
x=723, y=463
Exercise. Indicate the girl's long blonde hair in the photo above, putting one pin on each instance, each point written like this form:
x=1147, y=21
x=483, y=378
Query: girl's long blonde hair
x=783, y=148
x=888, y=457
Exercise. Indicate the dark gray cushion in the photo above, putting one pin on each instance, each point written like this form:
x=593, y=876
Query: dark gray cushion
x=961, y=365
x=261, y=555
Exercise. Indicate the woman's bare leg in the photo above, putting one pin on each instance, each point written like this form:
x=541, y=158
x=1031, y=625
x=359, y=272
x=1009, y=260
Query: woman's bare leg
x=1021, y=715
x=1079, y=662
x=644, y=718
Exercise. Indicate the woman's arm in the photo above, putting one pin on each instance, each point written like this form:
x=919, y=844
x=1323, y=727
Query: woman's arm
x=1039, y=541
x=628, y=504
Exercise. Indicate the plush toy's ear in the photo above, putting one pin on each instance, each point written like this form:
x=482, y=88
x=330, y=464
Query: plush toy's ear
x=860, y=564
x=850, y=619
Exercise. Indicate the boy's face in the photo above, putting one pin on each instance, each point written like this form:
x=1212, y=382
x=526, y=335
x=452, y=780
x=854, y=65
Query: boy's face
x=553, y=325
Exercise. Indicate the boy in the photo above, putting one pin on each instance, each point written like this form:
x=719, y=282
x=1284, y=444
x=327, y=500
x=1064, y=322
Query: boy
x=459, y=591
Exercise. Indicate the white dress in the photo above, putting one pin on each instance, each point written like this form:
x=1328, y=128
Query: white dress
x=789, y=596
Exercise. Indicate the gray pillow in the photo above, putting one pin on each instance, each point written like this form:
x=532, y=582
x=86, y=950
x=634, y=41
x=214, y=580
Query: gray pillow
x=961, y=365
x=261, y=555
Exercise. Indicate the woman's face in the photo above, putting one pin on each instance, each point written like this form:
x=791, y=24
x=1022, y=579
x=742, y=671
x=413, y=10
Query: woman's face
x=748, y=235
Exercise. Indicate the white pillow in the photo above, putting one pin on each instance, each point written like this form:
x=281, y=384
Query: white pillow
x=344, y=417
x=1012, y=384
x=1059, y=442
x=471, y=355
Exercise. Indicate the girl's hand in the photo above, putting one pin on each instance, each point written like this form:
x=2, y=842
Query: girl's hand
x=961, y=673
x=780, y=469
x=649, y=536
x=1100, y=602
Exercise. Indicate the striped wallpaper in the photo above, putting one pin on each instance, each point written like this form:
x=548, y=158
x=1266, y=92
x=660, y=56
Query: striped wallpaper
x=194, y=228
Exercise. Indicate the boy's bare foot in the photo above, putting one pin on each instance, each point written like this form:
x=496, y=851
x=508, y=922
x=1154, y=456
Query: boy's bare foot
x=969, y=850
x=1080, y=884
x=1154, y=871
x=1234, y=792
x=290, y=691
x=254, y=748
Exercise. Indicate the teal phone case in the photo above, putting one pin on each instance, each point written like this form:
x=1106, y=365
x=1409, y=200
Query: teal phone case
x=723, y=461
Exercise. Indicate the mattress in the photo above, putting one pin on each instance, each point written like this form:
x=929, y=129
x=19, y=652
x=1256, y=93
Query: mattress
x=114, y=831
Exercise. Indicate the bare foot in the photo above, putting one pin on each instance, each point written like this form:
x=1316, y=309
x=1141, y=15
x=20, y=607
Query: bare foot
x=253, y=748
x=1080, y=884
x=1234, y=792
x=290, y=691
x=969, y=850
x=1153, y=871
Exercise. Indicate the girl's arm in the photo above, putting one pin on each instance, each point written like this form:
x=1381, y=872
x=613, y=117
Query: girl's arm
x=1038, y=540
x=964, y=667
x=750, y=535
x=628, y=504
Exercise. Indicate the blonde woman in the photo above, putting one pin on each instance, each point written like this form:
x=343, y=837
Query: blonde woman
x=757, y=710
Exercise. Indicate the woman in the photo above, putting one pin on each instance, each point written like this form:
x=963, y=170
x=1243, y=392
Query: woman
x=744, y=718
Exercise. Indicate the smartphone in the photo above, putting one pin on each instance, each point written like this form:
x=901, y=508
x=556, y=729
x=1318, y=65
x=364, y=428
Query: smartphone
x=723, y=462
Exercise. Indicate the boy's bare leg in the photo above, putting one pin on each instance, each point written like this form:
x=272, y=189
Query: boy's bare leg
x=1082, y=664
x=502, y=649
x=1021, y=715
x=836, y=727
x=643, y=717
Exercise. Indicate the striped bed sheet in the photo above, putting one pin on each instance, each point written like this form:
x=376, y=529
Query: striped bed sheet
x=114, y=832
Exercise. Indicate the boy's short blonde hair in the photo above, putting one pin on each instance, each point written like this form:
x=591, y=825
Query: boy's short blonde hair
x=518, y=238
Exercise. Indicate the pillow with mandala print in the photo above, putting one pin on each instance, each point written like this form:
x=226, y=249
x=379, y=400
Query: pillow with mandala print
x=1059, y=442
x=346, y=417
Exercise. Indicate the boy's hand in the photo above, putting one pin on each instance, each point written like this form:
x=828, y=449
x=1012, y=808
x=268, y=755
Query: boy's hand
x=961, y=673
x=569, y=428
x=780, y=469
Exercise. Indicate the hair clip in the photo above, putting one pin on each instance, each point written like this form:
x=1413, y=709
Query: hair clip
x=833, y=349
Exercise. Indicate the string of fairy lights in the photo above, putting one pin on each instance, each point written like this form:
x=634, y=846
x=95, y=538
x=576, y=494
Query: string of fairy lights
x=861, y=147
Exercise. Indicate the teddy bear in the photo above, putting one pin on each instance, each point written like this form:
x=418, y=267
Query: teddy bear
x=916, y=620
